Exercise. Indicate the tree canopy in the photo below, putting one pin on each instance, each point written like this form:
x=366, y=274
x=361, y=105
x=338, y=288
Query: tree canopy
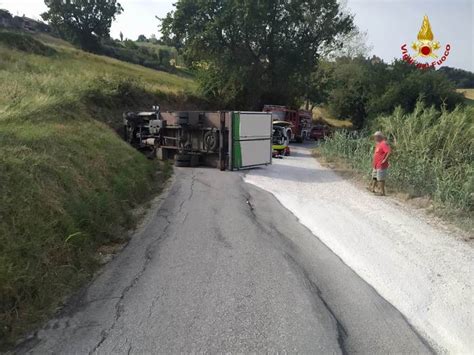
x=361, y=89
x=84, y=22
x=254, y=52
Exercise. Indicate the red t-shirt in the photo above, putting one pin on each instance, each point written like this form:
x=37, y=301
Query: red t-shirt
x=381, y=151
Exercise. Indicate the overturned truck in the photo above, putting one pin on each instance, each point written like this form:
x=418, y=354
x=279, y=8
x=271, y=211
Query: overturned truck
x=228, y=140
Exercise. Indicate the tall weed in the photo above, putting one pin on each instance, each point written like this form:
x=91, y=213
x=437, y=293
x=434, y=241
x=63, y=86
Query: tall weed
x=433, y=153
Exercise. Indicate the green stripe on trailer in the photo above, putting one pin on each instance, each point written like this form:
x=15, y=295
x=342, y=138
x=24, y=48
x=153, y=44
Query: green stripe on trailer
x=236, y=148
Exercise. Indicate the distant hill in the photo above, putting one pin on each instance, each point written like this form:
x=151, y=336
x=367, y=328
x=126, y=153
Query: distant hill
x=463, y=79
x=146, y=52
x=8, y=21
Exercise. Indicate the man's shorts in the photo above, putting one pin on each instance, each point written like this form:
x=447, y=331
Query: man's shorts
x=379, y=174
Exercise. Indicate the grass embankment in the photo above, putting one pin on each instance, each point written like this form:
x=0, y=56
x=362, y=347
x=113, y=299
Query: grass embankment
x=320, y=113
x=67, y=181
x=433, y=156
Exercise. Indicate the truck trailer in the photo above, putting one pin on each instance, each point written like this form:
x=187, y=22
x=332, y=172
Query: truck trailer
x=228, y=140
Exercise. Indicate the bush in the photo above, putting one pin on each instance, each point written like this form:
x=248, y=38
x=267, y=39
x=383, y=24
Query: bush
x=433, y=153
x=362, y=89
x=25, y=43
x=148, y=57
x=430, y=87
x=112, y=91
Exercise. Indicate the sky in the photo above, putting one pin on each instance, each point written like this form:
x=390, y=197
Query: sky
x=389, y=23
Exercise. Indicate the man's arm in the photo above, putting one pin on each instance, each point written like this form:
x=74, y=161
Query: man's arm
x=387, y=152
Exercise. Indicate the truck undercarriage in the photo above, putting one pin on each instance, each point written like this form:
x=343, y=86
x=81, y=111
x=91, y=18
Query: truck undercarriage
x=192, y=138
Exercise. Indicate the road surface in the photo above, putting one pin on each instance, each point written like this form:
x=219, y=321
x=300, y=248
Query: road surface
x=221, y=266
x=420, y=267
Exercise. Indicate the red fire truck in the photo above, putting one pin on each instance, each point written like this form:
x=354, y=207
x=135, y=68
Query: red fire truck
x=300, y=120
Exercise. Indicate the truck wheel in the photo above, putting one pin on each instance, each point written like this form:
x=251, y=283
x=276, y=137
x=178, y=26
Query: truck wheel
x=182, y=157
x=210, y=141
x=194, y=161
x=182, y=164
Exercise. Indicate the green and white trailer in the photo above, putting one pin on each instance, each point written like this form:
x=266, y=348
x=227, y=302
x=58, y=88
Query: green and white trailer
x=229, y=140
x=251, y=135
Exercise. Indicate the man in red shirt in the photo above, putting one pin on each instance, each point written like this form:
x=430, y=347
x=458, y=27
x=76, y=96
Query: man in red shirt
x=380, y=162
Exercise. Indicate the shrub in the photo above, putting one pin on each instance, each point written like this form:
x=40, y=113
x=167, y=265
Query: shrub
x=362, y=89
x=113, y=91
x=25, y=43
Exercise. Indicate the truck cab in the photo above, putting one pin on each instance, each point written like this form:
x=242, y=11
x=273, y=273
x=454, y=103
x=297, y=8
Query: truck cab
x=300, y=121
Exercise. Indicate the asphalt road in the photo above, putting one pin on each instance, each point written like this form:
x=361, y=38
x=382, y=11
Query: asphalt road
x=220, y=266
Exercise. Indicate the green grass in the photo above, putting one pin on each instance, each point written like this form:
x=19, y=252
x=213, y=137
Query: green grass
x=36, y=85
x=68, y=182
x=433, y=155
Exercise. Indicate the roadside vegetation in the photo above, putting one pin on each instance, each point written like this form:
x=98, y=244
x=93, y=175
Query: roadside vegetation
x=360, y=89
x=68, y=182
x=252, y=53
x=149, y=53
x=433, y=156
x=428, y=122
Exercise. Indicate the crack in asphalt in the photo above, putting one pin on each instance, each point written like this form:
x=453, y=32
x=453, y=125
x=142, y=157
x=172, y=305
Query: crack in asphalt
x=316, y=291
x=119, y=307
x=342, y=333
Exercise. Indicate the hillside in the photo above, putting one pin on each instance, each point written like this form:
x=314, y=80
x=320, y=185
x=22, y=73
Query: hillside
x=461, y=78
x=68, y=182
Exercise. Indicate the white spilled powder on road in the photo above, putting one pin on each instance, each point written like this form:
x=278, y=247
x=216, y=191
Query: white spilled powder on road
x=425, y=273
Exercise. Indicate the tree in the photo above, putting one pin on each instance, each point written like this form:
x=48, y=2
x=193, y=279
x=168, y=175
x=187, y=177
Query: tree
x=350, y=94
x=121, y=36
x=164, y=56
x=153, y=39
x=318, y=85
x=142, y=38
x=84, y=22
x=361, y=89
x=350, y=44
x=461, y=78
x=257, y=51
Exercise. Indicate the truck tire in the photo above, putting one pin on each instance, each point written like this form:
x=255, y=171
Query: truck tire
x=194, y=161
x=182, y=160
x=182, y=164
x=211, y=141
x=182, y=157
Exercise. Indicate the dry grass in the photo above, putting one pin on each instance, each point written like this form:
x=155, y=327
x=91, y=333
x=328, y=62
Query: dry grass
x=468, y=93
x=469, y=96
x=321, y=114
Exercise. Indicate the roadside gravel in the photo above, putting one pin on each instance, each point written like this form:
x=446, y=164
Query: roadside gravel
x=422, y=270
